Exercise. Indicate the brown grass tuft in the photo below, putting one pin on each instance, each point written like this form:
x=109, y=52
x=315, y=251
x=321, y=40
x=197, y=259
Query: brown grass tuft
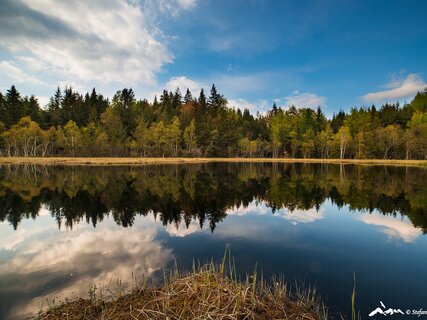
x=208, y=293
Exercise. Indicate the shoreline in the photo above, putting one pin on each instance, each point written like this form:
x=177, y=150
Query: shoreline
x=116, y=161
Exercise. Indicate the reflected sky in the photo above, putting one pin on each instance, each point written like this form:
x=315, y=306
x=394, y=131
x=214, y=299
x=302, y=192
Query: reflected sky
x=321, y=243
x=39, y=260
x=398, y=227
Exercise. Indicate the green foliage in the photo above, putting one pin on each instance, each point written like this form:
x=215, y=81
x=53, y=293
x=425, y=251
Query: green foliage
x=420, y=102
x=190, y=138
x=89, y=125
x=72, y=137
x=25, y=139
x=343, y=138
x=140, y=136
x=113, y=128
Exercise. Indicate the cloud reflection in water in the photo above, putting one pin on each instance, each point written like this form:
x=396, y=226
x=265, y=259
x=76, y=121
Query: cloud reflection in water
x=64, y=263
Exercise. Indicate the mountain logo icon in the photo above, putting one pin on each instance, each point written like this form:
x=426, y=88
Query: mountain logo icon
x=384, y=311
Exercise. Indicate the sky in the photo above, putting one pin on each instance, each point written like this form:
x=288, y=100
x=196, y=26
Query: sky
x=333, y=54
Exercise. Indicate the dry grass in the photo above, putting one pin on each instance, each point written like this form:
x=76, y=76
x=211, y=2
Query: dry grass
x=141, y=161
x=207, y=293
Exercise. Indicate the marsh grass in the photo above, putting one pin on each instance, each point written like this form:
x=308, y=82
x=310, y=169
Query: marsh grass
x=115, y=161
x=207, y=292
x=354, y=315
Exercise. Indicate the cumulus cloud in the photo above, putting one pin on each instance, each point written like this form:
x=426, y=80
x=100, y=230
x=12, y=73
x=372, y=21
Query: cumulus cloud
x=184, y=83
x=304, y=100
x=101, y=42
x=260, y=105
x=398, y=89
x=181, y=82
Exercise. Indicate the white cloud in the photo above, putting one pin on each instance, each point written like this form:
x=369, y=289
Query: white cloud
x=172, y=7
x=398, y=89
x=43, y=101
x=88, y=42
x=187, y=4
x=183, y=83
x=260, y=105
x=393, y=227
x=304, y=100
x=12, y=73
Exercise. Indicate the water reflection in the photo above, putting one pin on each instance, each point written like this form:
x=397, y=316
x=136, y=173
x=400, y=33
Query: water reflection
x=67, y=227
x=395, y=228
x=181, y=194
x=48, y=261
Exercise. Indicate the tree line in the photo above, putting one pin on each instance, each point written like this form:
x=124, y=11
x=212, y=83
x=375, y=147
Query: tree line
x=73, y=124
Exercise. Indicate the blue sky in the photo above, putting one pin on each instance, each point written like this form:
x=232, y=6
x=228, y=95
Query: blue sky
x=336, y=54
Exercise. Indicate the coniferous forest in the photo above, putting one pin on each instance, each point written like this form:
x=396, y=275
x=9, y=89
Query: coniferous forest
x=203, y=125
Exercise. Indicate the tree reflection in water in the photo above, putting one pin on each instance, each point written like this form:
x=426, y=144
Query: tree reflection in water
x=204, y=192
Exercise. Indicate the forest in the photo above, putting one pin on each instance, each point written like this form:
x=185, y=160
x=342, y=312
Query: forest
x=177, y=125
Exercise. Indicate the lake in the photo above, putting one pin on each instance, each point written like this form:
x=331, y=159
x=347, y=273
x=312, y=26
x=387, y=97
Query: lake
x=63, y=229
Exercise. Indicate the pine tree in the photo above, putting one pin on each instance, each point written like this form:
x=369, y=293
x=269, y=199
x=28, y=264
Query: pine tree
x=54, y=109
x=274, y=108
x=13, y=106
x=34, y=111
x=188, y=98
x=203, y=130
x=216, y=101
x=177, y=99
x=202, y=100
x=122, y=104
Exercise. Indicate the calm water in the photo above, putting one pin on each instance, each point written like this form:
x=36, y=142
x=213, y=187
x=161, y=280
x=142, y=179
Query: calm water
x=63, y=228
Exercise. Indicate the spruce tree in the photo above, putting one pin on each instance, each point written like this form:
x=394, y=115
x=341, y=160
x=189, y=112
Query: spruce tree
x=54, y=109
x=188, y=97
x=14, y=106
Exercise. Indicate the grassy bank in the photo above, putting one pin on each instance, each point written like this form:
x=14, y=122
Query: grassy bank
x=140, y=161
x=208, y=293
